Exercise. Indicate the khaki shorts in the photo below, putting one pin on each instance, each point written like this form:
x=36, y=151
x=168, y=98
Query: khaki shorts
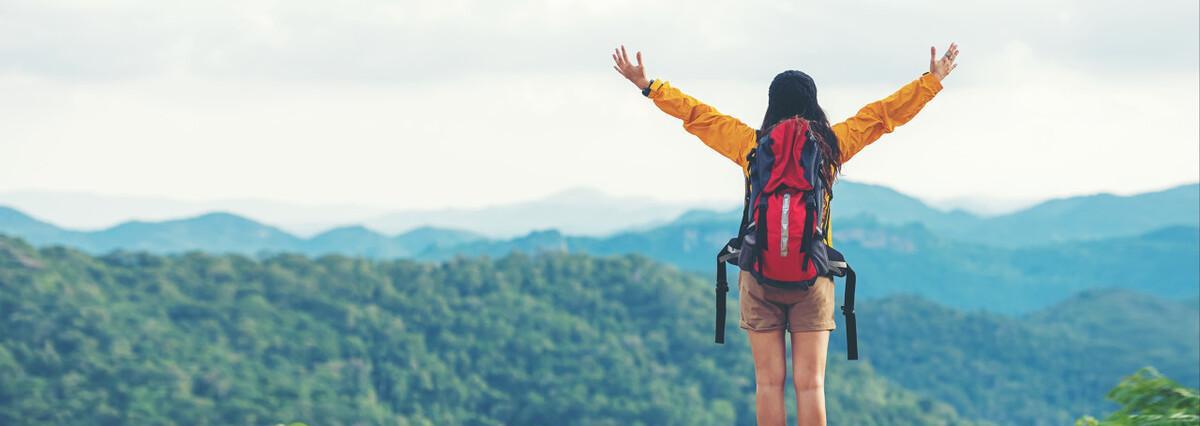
x=766, y=308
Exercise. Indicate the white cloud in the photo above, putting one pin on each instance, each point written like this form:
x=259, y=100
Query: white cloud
x=468, y=103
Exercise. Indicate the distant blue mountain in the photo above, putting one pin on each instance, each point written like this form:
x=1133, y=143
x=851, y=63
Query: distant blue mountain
x=357, y=240
x=896, y=259
x=852, y=199
x=1088, y=217
x=222, y=232
x=1069, y=219
x=1011, y=263
x=578, y=211
x=14, y=222
x=216, y=232
x=1084, y=218
x=353, y=240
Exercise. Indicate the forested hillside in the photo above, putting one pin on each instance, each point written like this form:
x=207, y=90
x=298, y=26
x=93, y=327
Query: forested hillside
x=1042, y=369
x=134, y=338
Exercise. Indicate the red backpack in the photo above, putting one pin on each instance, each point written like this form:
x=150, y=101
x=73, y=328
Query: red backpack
x=781, y=240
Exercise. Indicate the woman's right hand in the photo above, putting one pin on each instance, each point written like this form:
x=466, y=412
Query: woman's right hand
x=636, y=74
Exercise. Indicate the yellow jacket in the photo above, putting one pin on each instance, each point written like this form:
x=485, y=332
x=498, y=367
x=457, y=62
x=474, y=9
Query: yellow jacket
x=734, y=139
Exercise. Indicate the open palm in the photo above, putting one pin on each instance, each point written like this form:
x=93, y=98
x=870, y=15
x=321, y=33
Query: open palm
x=940, y=68
x=636, y=74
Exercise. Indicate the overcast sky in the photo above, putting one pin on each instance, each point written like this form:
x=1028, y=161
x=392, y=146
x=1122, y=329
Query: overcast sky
x=442, y=103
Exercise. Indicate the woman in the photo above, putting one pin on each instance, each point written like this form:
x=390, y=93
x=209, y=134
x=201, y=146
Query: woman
x=767, y=311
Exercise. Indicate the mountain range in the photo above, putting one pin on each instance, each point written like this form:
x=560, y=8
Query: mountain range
x=579, y=211
x=910, y=259
x=228, y=233
x=1060, y=220
x=1087, y=217
x=1008, y=264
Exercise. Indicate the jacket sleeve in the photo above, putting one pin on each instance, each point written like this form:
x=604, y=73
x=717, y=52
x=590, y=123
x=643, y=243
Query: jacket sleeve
x=882, y=116
x=727, y=135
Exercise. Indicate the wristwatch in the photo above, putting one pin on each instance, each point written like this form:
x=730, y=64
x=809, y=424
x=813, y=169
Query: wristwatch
x=646, y=91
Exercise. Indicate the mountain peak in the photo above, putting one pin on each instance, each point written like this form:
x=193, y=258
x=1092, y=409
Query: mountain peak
x=577, y=194
x=223, y=216
x=354, y=230
x=9, y=214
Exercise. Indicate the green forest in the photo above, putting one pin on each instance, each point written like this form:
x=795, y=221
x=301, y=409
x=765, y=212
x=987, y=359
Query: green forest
x=132, y=338
x=552, y=338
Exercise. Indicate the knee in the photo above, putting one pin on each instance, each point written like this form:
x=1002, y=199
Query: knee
x=769, y=380
x=808, y=382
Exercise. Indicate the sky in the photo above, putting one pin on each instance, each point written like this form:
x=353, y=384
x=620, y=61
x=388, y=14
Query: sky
x=439, y=104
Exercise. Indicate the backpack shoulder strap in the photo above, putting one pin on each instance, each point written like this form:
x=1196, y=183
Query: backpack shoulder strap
x=843, y=269
x=727, y=253
x=746, y=195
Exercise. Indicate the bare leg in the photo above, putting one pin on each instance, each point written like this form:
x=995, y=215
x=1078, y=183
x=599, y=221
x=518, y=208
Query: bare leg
x=770, y=373
x=808, y=375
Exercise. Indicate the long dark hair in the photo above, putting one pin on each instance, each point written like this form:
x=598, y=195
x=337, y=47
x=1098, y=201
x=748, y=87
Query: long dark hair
x=793, y=93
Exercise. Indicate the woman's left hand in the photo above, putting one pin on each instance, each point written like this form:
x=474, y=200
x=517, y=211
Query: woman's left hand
x=940, y=68
x=636, y=74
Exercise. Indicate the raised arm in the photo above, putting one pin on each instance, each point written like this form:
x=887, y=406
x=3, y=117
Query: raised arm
x=884, y=115
x=724, y=134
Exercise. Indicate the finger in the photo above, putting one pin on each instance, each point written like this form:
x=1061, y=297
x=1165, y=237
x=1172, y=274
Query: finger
x=639, y=58
x=615, y=61
x=624, y=55
x=932, y=53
